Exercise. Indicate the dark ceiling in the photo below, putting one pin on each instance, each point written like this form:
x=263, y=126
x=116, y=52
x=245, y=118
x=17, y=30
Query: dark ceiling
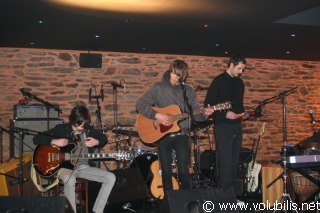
x=275, y=29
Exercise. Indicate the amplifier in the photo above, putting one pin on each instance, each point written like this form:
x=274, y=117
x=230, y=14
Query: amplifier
x=35, y=125
x=34, y=111
x=9, y=184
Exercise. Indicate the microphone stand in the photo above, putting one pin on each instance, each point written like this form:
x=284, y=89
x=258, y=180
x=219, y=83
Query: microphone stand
x=47, y=104
x=1, y=145
x=284, y=196
x=98, y=111
x=189, y=110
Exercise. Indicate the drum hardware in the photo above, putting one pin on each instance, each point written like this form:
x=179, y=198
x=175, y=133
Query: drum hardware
x=285, y=196
x=126, y=130
x=197, y=178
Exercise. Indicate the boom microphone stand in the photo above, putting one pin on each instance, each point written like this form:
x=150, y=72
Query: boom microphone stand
x=98, y=111
x=284, y=196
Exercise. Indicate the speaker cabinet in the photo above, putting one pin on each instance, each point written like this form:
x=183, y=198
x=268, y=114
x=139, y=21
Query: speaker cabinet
x=34, y=125
x=9, y=184
x=90, y=60
x=129, y=190
x=193, y=200
x=35, y=204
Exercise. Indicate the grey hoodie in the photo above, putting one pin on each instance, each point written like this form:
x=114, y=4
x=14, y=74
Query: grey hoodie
x=163, y=94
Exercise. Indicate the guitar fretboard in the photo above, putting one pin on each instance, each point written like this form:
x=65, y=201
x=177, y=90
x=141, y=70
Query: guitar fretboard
x=117, y=155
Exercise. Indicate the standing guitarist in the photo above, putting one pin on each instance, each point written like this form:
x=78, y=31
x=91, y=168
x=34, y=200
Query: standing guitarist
x=170, y=91
x=86, y=139
x=228, y=86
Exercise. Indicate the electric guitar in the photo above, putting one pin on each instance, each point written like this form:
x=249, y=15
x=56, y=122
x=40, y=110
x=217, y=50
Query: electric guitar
x=48, y=160
x=253, y=167
x=151, y=130
x=156, y=187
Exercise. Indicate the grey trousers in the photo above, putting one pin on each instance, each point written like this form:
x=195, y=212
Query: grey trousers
x=90, y=173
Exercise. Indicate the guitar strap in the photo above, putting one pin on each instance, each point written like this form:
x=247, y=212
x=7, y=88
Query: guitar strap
x=39, y=186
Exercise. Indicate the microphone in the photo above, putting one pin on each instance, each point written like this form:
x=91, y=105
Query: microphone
x=311, y=113
x=115, y=84
x=124, y=87
x=17, y=181
x=24, y=93
x=180, y=80
x=90, y=91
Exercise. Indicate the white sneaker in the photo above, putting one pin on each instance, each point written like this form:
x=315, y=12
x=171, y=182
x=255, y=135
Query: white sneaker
x=240, y=203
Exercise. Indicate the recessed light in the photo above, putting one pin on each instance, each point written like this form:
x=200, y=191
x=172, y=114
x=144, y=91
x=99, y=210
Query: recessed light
x=40, y=22
x=205, y=25
x=97, y=36
x=293, y=35
x=217, y=45
x=288, y=52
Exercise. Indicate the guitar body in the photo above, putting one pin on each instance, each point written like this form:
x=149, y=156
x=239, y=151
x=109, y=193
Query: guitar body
x=150, y=131
x=253, y=176
x=48, y=160
x=156, y=183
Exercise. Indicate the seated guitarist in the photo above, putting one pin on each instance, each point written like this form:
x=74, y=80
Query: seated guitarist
x=163, y=94
x=87, y=138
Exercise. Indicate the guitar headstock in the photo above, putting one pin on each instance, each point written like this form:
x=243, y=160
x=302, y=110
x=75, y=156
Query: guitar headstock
x=124, y=155
x=223, y=106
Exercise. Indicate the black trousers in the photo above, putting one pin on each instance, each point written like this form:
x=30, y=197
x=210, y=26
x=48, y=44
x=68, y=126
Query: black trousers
x=228, y=145
x=180, y=144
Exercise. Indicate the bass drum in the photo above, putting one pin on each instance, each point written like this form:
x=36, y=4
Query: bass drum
x=143, y=162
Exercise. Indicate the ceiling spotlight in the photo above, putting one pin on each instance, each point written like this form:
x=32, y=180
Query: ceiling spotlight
x=288, y=52
x=40, y=22
x=293, y=35
x=97, y=36
x=205, y=25
x=217, y=45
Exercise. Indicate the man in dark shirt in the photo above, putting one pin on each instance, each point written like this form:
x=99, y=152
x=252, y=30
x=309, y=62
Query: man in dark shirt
x=228, y=86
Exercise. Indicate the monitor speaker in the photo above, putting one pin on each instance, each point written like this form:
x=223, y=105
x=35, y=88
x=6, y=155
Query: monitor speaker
x=90, y=60
x=34, y=125
x=198, y=201
x=35, y=204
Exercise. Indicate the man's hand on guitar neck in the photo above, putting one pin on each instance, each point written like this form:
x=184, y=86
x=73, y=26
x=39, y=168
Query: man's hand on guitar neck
x=164, y=119
x=61, y=142
x=208, y=111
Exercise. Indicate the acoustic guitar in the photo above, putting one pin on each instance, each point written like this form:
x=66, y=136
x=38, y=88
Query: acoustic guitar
x=48, y=160
x=156, y=187
x=151, y=130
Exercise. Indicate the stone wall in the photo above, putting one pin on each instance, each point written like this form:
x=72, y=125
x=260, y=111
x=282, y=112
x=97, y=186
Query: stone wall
x=55, y=76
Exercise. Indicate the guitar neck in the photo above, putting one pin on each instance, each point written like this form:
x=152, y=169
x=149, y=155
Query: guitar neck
x=88, y=156
x=218, y=107
x=185, y=115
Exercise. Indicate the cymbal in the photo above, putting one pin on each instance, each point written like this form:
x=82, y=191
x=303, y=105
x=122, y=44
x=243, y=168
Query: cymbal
x=128, y=130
